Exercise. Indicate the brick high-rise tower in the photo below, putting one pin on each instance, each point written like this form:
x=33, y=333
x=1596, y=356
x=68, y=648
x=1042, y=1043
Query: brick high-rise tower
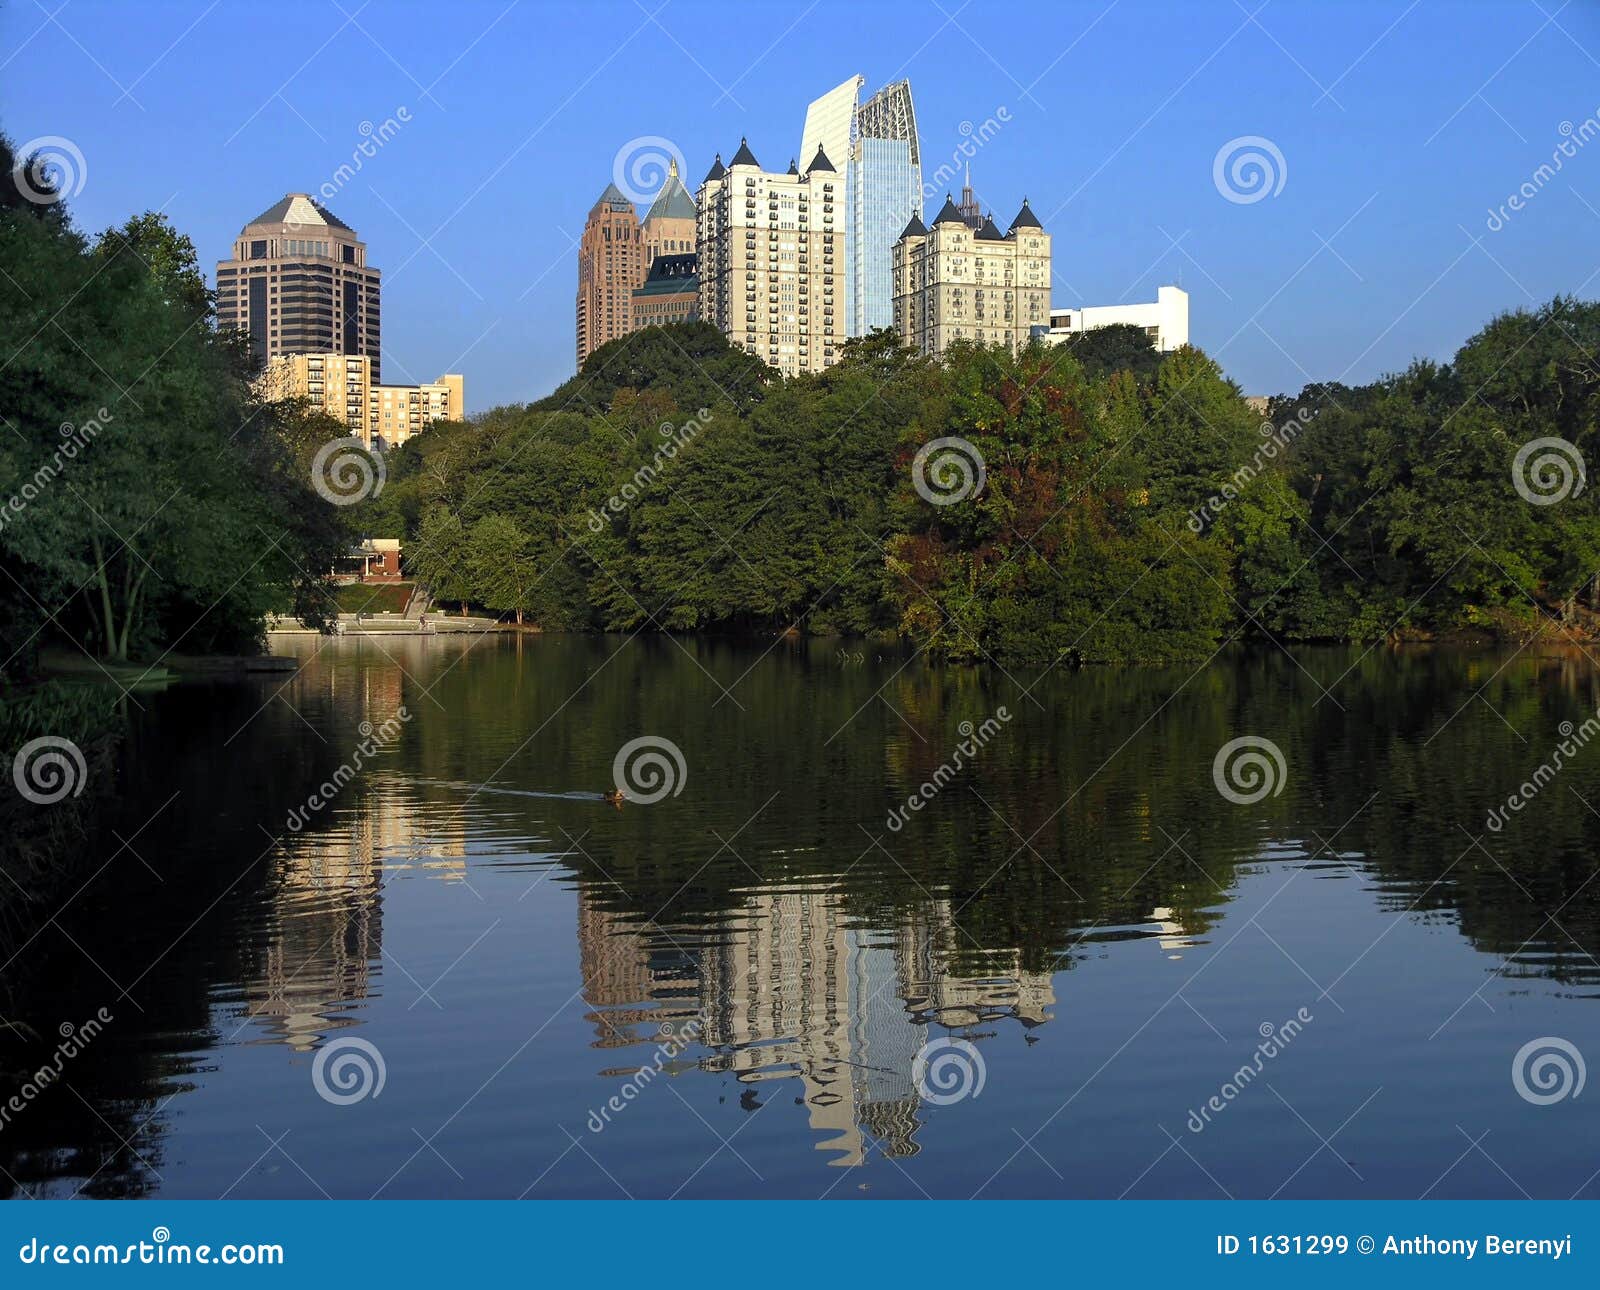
x=611, y=263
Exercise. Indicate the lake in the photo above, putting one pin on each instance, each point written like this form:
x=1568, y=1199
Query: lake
x=890, y=929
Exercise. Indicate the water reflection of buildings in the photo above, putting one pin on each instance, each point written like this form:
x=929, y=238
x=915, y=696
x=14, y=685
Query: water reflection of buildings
x=793, y=991
x=324, y=933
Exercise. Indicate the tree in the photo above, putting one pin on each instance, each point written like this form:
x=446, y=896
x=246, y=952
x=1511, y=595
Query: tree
x=501, y=565
x=1122, y=347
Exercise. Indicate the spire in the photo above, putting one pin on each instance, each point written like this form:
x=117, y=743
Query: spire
x=673, y=201
x=821, y=162
x=915, y=228
x=971, y=213
x=716, y=171
x=793, y=169
x=744, y=157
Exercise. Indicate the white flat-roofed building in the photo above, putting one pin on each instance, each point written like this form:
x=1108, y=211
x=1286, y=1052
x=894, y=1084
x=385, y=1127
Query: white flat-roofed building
x=1165, y=322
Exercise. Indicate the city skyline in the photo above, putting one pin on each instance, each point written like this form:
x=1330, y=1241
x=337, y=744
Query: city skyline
x=1111, y=125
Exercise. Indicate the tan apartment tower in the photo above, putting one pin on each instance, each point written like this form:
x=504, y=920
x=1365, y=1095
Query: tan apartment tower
x=343, y=386
x=299, y=283
x=611, y=263
x=772, y=259
x=954, y=282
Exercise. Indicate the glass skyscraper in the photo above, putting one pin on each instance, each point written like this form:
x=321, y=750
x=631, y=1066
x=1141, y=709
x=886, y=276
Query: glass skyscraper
x=882, y=167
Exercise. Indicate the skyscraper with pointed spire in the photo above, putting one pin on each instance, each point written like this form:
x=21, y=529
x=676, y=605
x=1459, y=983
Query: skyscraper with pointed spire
x=616, y=256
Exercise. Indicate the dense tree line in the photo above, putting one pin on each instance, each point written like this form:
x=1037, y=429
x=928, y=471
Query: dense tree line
x=149, y=501
x=1115, y=504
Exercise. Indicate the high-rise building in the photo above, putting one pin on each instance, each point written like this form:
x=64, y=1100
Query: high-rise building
x=769, y=246
x=299, y=283
x=955, y=283
x=882, y=168
x=345, y=387
x=611, y=263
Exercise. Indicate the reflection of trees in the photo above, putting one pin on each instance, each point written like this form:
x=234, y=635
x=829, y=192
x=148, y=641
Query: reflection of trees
x=190, y=896
x=820, y=948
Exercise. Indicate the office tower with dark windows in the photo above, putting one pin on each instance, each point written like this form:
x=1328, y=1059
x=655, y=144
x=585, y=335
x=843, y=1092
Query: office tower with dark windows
x=882, y=172
x=299, y=283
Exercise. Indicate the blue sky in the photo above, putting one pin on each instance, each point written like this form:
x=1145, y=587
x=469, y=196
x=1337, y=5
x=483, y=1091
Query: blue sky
x=1400, y=125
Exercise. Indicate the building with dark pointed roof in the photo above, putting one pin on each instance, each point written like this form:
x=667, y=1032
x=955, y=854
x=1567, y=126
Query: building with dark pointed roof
x=948, y=213
x=1026, y=218
x=669, y=225
x=821, y=162
x=303, y=210
x=771, y=260
x=717, y=170
x=298, y=282
x=673, y=201
x=965, y=281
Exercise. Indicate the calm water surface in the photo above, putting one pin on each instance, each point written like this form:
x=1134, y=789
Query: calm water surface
x=1107, y=935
